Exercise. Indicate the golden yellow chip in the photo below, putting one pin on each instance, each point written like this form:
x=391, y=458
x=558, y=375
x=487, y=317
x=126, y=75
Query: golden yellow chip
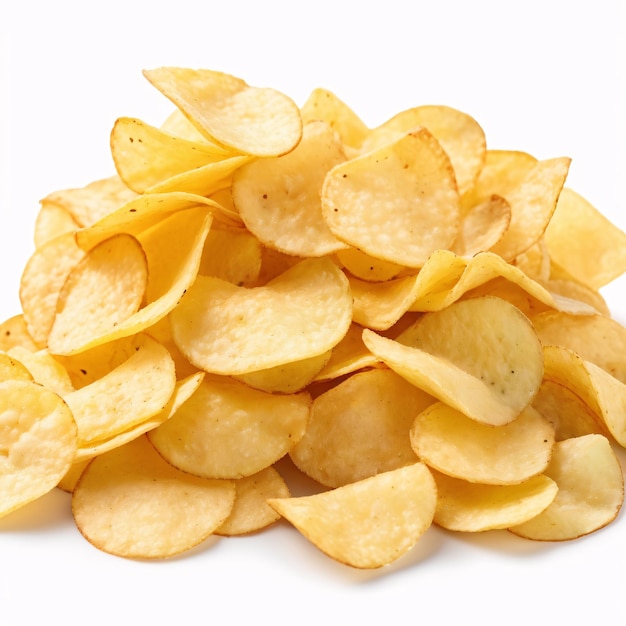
x=251, y=120
x=226, y=329
x=229, y=430
x=51, y=222
x=480, y=356
x=370, y=523
x=367, y=267
x=45, y=369
x=461, y=447
x=37, y=439
x=590, y=491
x=13, y=369
x=398, y=203
x=106, y=287
x=360, y=428
x=131, y=503
x=286, y=191
x=13, y=332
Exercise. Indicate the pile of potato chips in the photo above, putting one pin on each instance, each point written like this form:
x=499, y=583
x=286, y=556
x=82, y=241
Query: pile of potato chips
x=410, y=319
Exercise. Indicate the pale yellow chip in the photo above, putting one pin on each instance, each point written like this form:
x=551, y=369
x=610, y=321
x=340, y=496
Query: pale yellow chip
x=480, y=356
x=131, y=393
x=360, y=428
x=11, y=368
x=52, y=221
x=106, y=287
x=584, y=242
x=461, y=447
x=229, y=430
x=252, y=120
x=370, y=523
x=458, y=133
x=286, y=190
x=14, y=332
x=226, y=329
x=472, y=507
x=37, y=439
x=45, y=369
x=366, y=267
x=591, y=491
x=251, y=512
x=398, y=203
x=131, y=503
x=145, y=156
x=41, y=282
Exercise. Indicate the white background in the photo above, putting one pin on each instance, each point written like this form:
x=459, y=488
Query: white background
x=542, y=76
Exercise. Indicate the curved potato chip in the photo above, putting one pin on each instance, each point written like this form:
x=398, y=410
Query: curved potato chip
x=131, y=503
x=398, y=203
x=251, y=511
x=461, y=447
x=106, y=287
x=13, y=332
x=472, y=507
x=360, y=428
x=37, y=440
x=13, y=369
x=585, y=242
x=252, y=120
x=226, y=329
x=458, y=134
x=228, y=430
x=480, y=356
x=45, y=369
x=370, y=523
x=367, y=267
x=286, y=190
x=591, y=491
x=51, y=222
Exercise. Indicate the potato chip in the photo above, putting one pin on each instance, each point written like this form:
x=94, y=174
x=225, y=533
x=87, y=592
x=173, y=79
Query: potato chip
x=458, y=446
x=229, y=430
x=360, y=428
x=472, y=507
x=106, y=287
x=590, y=491
x=577, y=233
x=13, y=332
x=398, y=203
x=37, y=439
x=251, y=511
x=13, y=369
x=226, y=329
x=367, y=267
x=286, y=191
x=459, y=134
x=480, y=356
x=251, y=120
x=51, y=222
x=131, y=503
x=370, y=523
x=45, y=369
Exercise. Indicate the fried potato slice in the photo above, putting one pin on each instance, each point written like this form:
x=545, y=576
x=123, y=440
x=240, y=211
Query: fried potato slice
x=366, y=267
x=472, y=507
x=458, y=446
x=229, y=430
x=106, y=287
x=370, y=523
x=480, y=356
x=577, y=233
x=258, y=121
x=286, y=190
x=51, y=222
x=226, y=329
x=360, y=428
x=591, y=491
x=44, y=368
x=131, y=503
x=251, y=511
x=12, y=368
x=398, y=203
x=37, y=442
x=13, y=332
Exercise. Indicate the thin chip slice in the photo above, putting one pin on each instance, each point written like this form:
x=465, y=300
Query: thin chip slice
x=45, y=369
x=101, y=292
x=251, y=511
x=286, y=191
x=398, y=203
x=14, y=332
x=471, y=507
x=226, y=329
x=367, y=267
x=480, y=356
x=13, y=369
x=370, y=523
x=458, y=446
x=360, y=428
x=591, y=491
x=229, y=430
x=252, y=120
x=131, y=503
x=51, y=222
x=37, y=442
